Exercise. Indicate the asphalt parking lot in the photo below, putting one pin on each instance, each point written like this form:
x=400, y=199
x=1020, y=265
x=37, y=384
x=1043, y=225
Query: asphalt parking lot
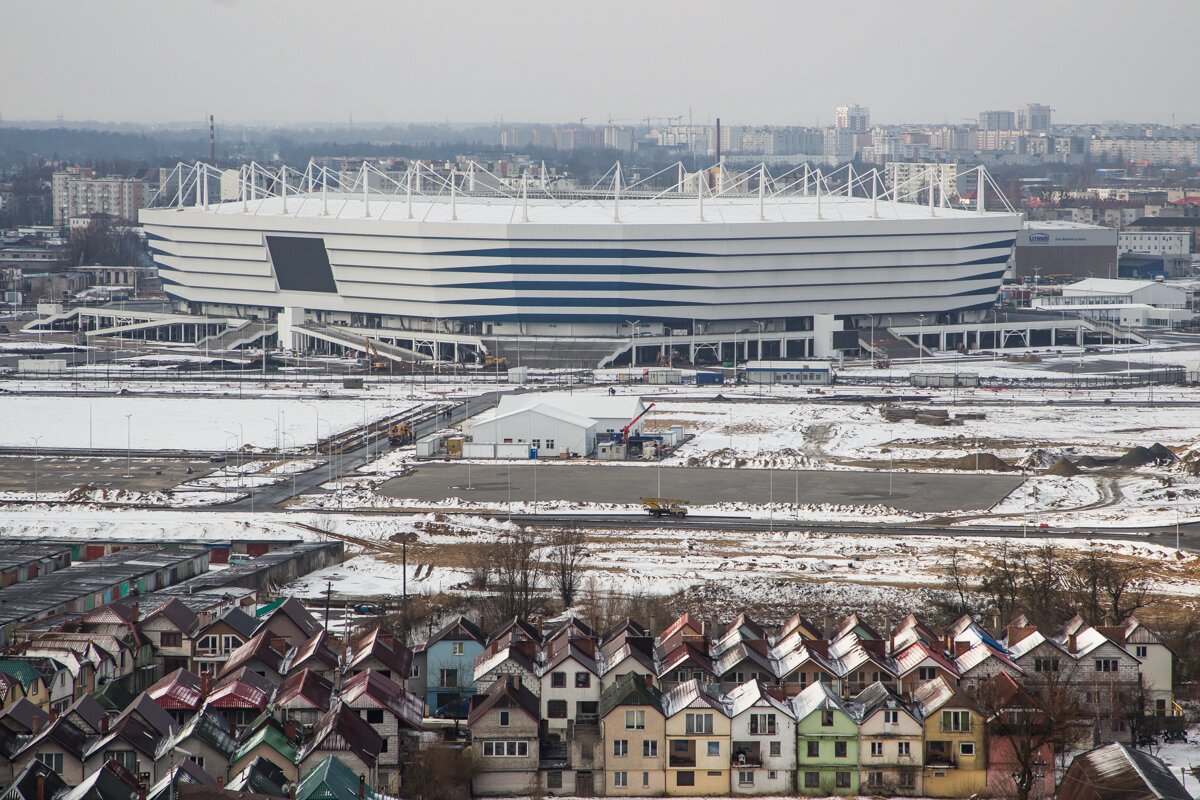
x=911, y=491
x=65, y=473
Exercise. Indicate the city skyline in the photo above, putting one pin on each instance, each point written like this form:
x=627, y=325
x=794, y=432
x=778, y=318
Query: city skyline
x=250, y=63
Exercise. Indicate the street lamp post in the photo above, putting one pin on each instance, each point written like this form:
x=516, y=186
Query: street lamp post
x=36, y=439
x=128, y=442
x=921, y=340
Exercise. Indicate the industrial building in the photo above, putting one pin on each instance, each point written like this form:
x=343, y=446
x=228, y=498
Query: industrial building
x=553, y=425
x=792, y=373
x=1053, y=251
x=719, y=266
x=1127, y=303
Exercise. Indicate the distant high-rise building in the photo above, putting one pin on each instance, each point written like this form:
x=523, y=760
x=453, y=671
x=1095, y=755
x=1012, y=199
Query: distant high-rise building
x=997, y=121
x=76, y=192
x=1034, y=117
x=853, y=118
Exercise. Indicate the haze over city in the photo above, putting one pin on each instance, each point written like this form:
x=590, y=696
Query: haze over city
x=311, y=61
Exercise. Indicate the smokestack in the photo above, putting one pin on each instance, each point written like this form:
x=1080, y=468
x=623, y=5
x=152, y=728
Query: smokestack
x=212, y=140
x=718, y=141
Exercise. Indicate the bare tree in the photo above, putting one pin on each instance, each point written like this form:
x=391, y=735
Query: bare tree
x=518, y=572
x=1027, y=725
x=1103, y=587
x=956, y=578
x=1003, y=581
x=439, y=772
x=565, y=562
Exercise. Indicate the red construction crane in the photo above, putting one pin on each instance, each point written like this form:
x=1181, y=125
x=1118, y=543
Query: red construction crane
x=632, y=422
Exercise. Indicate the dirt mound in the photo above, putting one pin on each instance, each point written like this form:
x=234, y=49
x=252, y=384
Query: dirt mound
x=983, y=461
x=1063, y=468
x=1162, y=454
x=1136, y=457
x=1040, y=459
x=1088, y=462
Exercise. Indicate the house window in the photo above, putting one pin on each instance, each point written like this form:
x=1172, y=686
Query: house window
x=549, y=444
x=375, y=716
x=891, y=717
x=772, y=775
x=1140, y=651
x=536, y=443
x=506, y=749
x=457, y=648
x=875, y=779
x=504, y=719
x=698, y=723
x=714, y=749
x=620, y=748
x=687, y=778
x=649, y=748
x=812, y=780
x=448, y=678
x=383, y=744
x=814, y=749
x=52, y=760
x=745, y=777
x=558, y=680
x=414, y=671
x=199, y=760
x=926, y=673
x=1106, y=665
x=762, y=724
x=645, y=779
x=776, y=749
x=556, y=709
x=635, y=720
x=839, y=749
x=171, y=639
x=620, y=779
x=827, y=718
x=126, y=758
x=583, y=680
x=554, y=779
x=842, y=780
x=956, y=721
x=877, y=749
x=1045, y=665
x=904, y=748
x=207, y=645
x=966, y=748
x=908, y=780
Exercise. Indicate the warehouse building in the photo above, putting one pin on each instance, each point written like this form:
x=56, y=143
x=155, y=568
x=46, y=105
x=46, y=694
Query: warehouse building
x=1054, y=251
x=551, y=425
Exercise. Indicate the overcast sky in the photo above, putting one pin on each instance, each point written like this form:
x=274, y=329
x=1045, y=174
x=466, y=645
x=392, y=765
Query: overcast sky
x=785, y=62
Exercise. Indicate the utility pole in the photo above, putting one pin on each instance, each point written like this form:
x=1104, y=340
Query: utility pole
x=328, y=596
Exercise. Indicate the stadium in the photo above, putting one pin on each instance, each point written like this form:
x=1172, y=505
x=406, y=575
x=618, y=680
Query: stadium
x=464, y=265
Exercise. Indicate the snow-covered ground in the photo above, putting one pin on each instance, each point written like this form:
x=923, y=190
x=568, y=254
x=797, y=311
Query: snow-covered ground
x=197, y=423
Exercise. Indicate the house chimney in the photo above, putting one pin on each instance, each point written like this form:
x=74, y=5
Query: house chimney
x=53, y=715
x=104, y=724
x=289, y=730
x=1072, y=644
x=41, y=787
x=134, y=613
x=205, y=683
x=35, y=724
x=362, y=786
x=220, y=782
x=892, y=643
x=960, y=648
x=279, y=644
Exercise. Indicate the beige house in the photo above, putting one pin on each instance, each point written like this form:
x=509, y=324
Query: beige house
x=698, y=740
x=632, y=729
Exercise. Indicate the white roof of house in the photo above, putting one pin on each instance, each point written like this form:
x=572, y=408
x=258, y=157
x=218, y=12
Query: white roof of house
x=554, y=412
x=593, y=406
x=1110, y=285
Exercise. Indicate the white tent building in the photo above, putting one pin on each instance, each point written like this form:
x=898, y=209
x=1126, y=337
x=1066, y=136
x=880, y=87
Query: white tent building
x=610, y=412
x=540, y=427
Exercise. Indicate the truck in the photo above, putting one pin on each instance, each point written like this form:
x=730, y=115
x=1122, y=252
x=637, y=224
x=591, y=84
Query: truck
x=665, y=507
x=400, y=434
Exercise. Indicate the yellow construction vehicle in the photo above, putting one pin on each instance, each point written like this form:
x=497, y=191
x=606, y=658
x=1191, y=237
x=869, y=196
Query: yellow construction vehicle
x=400, y=434
x=665, y=507
x=375, y=360
x=498, y=361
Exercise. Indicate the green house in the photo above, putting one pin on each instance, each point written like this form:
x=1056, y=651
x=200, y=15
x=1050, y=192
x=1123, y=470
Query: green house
x=826, y=743
x=331, y=780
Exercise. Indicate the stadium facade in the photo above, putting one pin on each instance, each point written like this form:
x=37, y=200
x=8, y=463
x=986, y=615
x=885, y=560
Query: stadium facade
x=572, y=280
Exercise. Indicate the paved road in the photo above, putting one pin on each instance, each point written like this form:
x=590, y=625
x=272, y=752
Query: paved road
x=910, y=491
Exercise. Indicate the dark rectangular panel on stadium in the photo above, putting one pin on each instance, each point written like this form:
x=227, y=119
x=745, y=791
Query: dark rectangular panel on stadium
x=301, y=264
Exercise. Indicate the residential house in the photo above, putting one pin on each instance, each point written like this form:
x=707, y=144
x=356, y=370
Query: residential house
x=891, y=741
x=513, y=655
x=138, y=740
x=346, y=736
x=267, y=741
x=291, y=621
x=858, y=662
x=1118, y=772
x=826, y=742
x=797, y=625
x=23, y=717
x=185, y=772
x=762, y=732
x=631, y=711
x=455, y=647
x=747, y=660
x=118, y=623
x=12, y=692
x=379, y=652
x=697, y=740
x=955, y=745
x=61, y=746
x=1156, y=665
x=570, y=685
x=976, y=664
x=261, y=776
x=505, y=724
x=919, y=663
x=1108, y=677
x=393, y=712
x=303, y=698
x=172, y=628
x=1019, y=735
x=801, y=662
x=33, y=683
x=316, y=655
x=35, y=781
x=679, y=661
x=241, y=696
x=209, y=742
x=628, y=651
x=215, y=642
x=180, y=694
x=266, y=655
x=333, y=780
x=110, y=781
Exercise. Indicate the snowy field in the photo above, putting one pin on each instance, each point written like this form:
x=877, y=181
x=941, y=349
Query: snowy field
x=199, y=423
